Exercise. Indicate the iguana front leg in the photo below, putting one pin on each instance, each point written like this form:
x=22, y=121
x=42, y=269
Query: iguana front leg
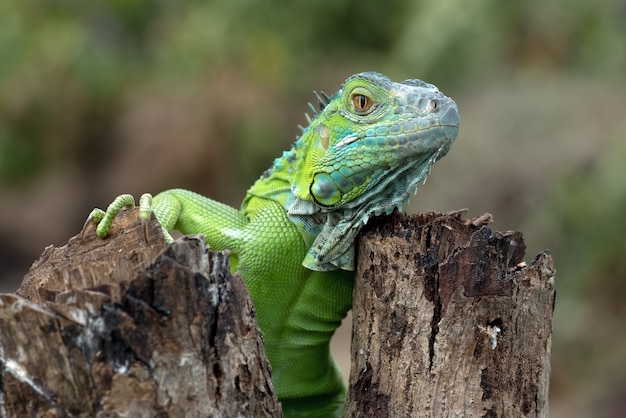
x=182, y=210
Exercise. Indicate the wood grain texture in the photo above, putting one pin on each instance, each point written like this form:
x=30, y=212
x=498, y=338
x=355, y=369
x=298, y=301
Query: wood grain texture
x=448, y=321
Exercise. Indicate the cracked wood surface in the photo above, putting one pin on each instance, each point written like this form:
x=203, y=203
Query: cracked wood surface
x=102, y=328
x=448, y=321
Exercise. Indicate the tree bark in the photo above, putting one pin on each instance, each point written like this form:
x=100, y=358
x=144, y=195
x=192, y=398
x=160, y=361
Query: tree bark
x=102, y=328
x=448, y=321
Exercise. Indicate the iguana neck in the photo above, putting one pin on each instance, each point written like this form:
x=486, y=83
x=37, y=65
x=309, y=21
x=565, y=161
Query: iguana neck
x=276, y=184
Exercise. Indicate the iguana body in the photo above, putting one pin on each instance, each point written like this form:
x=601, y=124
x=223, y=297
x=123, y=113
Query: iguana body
x=293, y=238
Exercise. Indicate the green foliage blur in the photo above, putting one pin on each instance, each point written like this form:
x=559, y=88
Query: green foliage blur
x=67, y=64
x=100, y=98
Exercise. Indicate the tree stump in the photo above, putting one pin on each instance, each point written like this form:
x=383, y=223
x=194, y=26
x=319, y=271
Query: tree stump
x=448, y=321
x=99, y=329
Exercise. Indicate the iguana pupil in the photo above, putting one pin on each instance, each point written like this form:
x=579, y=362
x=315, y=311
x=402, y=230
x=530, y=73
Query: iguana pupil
x=362, y=103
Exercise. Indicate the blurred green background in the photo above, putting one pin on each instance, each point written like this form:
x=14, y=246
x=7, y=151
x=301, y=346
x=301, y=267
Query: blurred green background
x=100, y=98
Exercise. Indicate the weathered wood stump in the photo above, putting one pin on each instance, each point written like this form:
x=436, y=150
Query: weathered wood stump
x=102, y=328
x=448, y=321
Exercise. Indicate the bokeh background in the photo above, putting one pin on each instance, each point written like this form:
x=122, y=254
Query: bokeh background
x=100, y=98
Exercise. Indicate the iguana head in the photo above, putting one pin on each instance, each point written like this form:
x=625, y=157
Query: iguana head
x=362, y=154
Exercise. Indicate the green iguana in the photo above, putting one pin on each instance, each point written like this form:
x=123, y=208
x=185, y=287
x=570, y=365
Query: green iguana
x=293, y=240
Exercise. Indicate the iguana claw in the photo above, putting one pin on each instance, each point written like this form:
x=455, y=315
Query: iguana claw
x=86, y=226
x=94, y=218
x=144, y=228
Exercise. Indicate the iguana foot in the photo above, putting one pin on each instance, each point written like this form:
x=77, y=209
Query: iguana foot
x=104, y=220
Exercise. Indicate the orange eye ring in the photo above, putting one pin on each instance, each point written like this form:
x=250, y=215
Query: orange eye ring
x=362, y=104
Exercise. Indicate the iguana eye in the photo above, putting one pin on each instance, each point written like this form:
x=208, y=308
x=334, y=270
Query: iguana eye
x=362, y=104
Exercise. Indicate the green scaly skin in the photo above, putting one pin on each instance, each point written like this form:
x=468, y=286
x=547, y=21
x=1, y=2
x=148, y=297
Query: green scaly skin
x=292, y=241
